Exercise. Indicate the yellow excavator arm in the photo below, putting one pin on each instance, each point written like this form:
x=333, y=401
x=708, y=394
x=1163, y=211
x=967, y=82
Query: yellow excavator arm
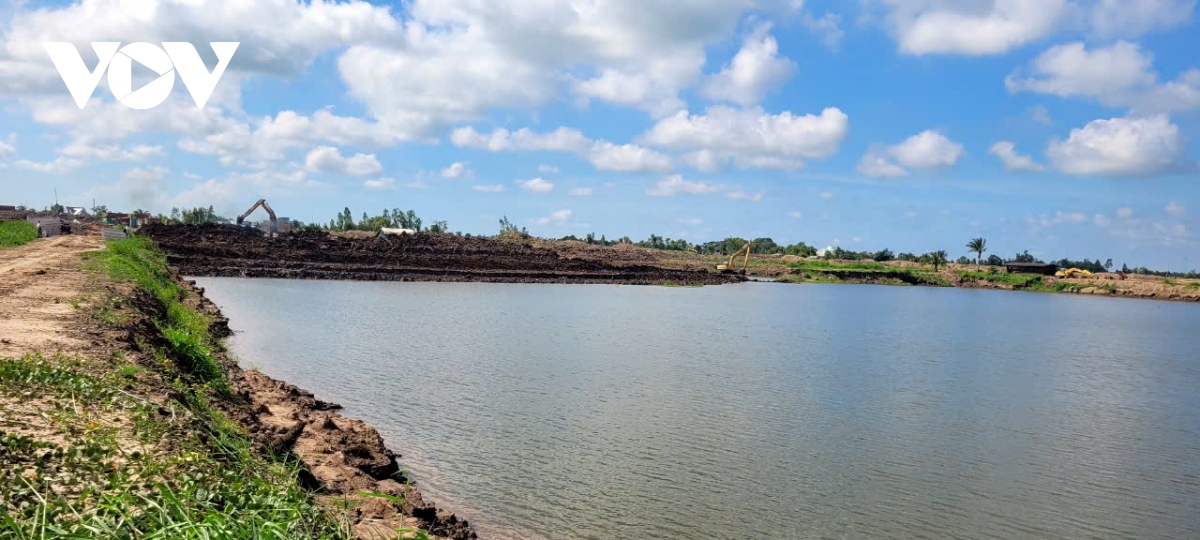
x=728, y=266
x=270, y=214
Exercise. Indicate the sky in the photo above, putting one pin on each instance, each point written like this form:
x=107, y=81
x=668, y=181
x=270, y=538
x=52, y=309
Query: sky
x=1068, y=128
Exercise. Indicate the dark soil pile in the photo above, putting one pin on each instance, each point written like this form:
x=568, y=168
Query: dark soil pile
x=226, y=251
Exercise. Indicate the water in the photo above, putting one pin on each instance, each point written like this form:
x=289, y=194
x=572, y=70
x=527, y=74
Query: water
x=756, y=410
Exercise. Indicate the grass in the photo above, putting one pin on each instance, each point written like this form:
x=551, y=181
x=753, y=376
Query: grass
x=138, y=261
x=126, y=466
x=820, y=271
x=15, y=233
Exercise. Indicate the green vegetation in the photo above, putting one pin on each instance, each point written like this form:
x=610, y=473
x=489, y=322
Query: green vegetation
x=977, y=246
x=196, y=216
x=179, y=468
x=115, y=481
x=821, y=271
x=137, y=261
x=15, y=233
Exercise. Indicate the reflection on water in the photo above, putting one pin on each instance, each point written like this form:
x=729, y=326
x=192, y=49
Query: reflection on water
x=756, y=410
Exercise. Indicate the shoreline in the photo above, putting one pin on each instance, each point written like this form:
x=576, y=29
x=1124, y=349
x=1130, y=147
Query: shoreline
x=135, y=355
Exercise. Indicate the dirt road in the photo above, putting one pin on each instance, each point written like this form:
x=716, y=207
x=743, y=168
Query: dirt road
x=38, y=282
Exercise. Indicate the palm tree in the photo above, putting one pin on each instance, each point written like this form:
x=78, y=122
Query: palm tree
x=938, y=258
x=977, y=246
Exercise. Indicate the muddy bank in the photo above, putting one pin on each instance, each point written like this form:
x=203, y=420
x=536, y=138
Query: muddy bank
x=345, y=460
x=224, y=251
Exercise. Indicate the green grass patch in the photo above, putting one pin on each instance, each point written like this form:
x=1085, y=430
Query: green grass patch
x=15, y=233
x=1016, y=281
x=138, y=261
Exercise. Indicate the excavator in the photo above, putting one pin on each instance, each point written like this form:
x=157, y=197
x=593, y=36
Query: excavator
x=271, y=213
x=728, y=267
x=1072, y=272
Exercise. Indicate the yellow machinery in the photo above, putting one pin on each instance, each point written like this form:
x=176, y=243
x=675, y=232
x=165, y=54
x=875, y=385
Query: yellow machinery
x=727, y=268
x=270, y=214
x=1072, y=273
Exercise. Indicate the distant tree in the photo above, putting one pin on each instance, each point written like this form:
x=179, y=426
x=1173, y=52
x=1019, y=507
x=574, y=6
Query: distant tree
x=937, y=259
x=439, y=227
x=993, y=260
x=57, y=209
x=908, y=257
x=1124, y=268
x=1108, y=264
x=100, y=211
x=977, y=246
x=507, y=227
x=1024, y=257
x=963, y=260
x=883, y=255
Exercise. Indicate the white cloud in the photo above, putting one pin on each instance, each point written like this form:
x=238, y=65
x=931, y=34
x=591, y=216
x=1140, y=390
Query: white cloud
x=547, y=169
x=457, y=169
x=1013, y=161
x=228, y=195
x=1132, y=18
x=111, y=152
x=7, y=150
x=756, y=70
x=826, y=195
x=1175, y=209
x=675, y=185
x=875, y=162
x=61, y=165
x=742, y=195
x=926, y=150
x=691, y=221
x=796, y=215
x=488, y=188
x=327, y=159
x=1101, y=220
x=1125, y=213
x=380, y=184
x=1040, y=115
x=1121, y=147
x=1060, y=217
x=558, y=217
x=603, y=155
x=974, y=28
x=828, y=26
x=857, y=239
x=536, y=185
x=751, y=137
x=580, y=191
x=416, y=184
x=1119, y=75
x=606, y=156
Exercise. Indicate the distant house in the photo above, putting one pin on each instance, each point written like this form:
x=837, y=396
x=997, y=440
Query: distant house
x=117, y=218
x=1045, y=269
x=11, y=213
x=49, y=225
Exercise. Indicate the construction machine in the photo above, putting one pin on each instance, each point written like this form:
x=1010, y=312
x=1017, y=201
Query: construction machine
x=728, y=267
x=1072, y=272
x=270, y=213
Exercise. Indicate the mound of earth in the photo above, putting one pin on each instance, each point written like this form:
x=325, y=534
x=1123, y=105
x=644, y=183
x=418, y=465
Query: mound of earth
x=227, y=251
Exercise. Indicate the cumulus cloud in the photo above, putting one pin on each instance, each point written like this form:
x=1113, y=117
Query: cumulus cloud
x=1119, y=75
x=328, y=159
x=828, y=26
x=675, y=185
x=1013, y=160
x=457, y=169
x=138, y=188
x=7, y=150
x=547, y=169
x=987, y=27
x=1175, y=209
x=756, y=70
x=1058, y=218
x=603, y=155
x=536, y=185
x=61, y=165
x=558, y=217
x=580, y=191
x=1121, y=147
x=488, y=188
x=751, y=137
x=1125, y=213
x=380, y=184
x=926, y=150
x=228, y=194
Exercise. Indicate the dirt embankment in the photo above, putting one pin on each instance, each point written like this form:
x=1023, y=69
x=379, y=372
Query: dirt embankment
x=224, y=251
x=50, y=305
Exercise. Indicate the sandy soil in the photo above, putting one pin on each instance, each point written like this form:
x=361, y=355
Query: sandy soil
x=38, y=283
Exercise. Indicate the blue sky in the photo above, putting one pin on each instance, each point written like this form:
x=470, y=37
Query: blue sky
x=1067, y=128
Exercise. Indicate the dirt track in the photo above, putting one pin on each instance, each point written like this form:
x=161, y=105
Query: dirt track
x=222, y=251
x=38, y=282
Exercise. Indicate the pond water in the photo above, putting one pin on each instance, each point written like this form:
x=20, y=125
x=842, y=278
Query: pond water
x=756, y=410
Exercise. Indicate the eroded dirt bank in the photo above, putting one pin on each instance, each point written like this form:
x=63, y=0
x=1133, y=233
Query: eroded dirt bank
x=61, y=316
x=223, y=251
